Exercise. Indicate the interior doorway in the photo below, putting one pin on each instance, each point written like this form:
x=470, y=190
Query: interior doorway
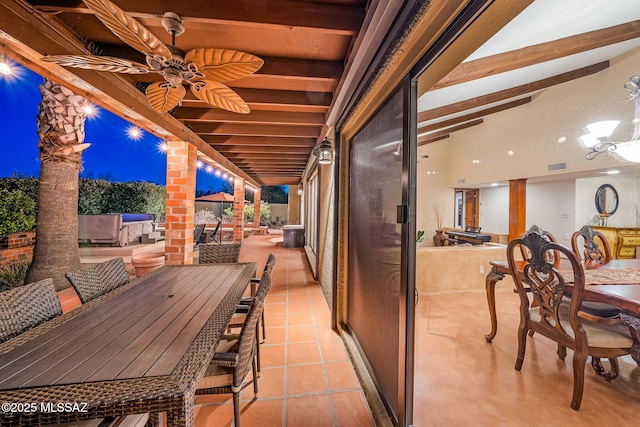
x=471, y=208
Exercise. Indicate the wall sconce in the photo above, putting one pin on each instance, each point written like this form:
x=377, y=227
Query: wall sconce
x=299, y=189
x=5, y=68
x=597, y=138
x=324, y=152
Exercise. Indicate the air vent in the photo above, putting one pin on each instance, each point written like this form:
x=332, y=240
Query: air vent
x=557, y=167
x=461, y=181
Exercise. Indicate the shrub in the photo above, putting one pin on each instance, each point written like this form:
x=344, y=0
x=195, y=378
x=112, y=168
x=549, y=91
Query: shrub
x=265, y=213
x=13, y=274
x=17, y=212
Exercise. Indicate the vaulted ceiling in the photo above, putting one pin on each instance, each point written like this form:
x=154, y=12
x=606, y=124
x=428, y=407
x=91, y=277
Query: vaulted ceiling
x=546, y=45
x=305, y=46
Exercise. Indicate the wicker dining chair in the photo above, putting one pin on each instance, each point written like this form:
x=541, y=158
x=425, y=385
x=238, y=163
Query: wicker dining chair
x=228, y=370
x=26, y=307
x=214, y=253
x=239, y=317
x=242, y=308
x=96, y=280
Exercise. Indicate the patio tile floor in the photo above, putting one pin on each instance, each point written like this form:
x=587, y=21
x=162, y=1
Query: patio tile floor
x=307, y=378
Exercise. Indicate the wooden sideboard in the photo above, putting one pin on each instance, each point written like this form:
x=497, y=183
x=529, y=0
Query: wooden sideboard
x=623, y=240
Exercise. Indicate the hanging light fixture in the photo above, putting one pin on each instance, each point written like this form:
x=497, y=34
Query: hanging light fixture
x=5, y=68
x=299, y=189
x=324, y=152
x=597, y=140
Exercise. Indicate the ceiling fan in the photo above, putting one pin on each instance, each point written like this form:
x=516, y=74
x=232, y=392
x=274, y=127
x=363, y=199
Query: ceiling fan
x=203, y=69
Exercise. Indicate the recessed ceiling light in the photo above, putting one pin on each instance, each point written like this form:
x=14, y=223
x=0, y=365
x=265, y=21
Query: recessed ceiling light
x=510, y=153
x=562, y=139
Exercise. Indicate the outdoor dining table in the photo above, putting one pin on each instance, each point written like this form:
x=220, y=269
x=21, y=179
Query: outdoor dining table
x=616, y=283
x=141, y=348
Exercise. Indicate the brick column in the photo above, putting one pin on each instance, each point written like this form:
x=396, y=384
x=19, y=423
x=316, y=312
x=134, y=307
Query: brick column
x=238, y=210
x=256, y=208
x=181, y=192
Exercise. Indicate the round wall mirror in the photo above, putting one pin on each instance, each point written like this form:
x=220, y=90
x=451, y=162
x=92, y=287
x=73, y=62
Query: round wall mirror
x=606, y=200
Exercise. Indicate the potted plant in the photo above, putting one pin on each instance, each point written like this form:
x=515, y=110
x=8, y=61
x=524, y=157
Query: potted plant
x=419, y=237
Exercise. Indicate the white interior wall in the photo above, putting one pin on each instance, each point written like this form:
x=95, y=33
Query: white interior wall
x=532, y=132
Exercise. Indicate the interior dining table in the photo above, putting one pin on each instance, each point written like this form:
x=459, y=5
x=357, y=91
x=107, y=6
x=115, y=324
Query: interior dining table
x=142, y=348
x=616, y=283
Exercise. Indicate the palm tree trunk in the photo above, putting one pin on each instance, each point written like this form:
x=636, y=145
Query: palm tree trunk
x=61, y=120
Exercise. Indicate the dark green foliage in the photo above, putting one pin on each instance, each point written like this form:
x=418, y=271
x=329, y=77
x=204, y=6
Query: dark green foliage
x=274, y=194
x=17, y=212
x=93, y=195
x=135, y=197
x=19, y=200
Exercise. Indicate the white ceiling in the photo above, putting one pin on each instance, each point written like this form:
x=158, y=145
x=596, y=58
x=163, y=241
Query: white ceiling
x=543, y=21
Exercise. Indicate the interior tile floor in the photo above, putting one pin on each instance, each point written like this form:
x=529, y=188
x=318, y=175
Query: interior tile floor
x=462, y=380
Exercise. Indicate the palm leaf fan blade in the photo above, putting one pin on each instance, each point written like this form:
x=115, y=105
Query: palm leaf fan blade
x=128, y=29
x=223, y=65
x=163, y=96
x=220, y=96
x=99, y=63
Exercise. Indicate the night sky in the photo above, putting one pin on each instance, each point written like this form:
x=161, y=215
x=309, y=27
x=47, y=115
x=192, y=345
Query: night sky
x=113, y=154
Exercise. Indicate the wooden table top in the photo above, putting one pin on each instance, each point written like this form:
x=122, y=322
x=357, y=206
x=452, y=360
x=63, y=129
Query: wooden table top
x=626, y=296
x=144, y=333
x=139, y=333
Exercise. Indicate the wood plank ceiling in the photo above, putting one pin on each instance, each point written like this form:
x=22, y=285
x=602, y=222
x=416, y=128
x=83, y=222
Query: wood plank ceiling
x=304, y=45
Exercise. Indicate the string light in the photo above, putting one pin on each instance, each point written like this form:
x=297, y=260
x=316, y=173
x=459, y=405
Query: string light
x=163, y=146
x=199, y=164
x=134, y=132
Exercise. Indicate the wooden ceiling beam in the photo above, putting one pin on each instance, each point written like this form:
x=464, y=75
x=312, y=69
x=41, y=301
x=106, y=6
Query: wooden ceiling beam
x=531, y=55
x=473, y=116
x=263, y=149
x=273, y=97
x=215, y=115
x=280, y=68
x=431, y=136
x=425, y=141
x=335, y=19
x=258, y=141
x=276, y=160
x=303, y=157
x=255, y=130
x=511, y=92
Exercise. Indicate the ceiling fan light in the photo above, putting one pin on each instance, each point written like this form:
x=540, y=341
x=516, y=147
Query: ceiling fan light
x=5, y=68
x=588, y=140
x=602, y=129
x=629, y=151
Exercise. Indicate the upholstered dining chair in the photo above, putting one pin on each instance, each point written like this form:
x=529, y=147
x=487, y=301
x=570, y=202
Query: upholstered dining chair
x=562, y=319
x=595, y=247
x=228, y=370
x=214, y=253
x=25, y=307
x=96, y=280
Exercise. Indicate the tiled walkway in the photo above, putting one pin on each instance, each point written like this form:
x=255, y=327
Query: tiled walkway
x=307, y=378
